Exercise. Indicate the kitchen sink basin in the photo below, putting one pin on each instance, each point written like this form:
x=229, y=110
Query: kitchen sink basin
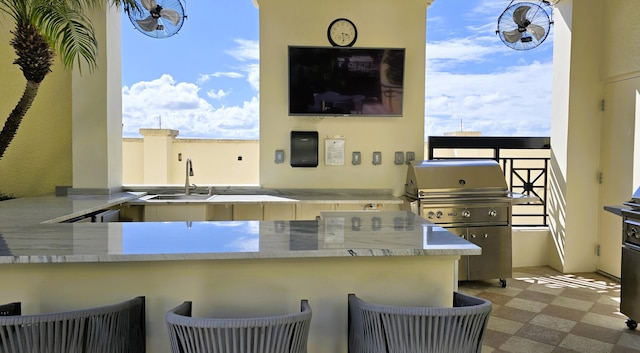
x=177, y=197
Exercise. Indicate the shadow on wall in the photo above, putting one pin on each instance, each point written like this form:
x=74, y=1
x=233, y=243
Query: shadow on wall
x=557, y=214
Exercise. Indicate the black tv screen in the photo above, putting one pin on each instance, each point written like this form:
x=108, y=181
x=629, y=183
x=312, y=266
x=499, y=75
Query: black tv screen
x=328, y=81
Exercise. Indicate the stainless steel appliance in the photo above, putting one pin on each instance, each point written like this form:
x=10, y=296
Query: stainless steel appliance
x=630, y=269
x=471, y=199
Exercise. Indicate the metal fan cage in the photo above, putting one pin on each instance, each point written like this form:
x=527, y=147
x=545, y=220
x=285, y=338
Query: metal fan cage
x=158, y=18
x=520, y=25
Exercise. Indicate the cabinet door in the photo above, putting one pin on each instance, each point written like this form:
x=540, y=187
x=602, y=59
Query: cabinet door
x=220, y=212
x=495, y=261
x=309, y=211
x=247, y=212
x=279, y=211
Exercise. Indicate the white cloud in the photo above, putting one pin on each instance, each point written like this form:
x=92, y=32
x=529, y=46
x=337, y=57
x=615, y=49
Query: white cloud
x=513, y=102
x=178, y=106
x=246, y=50
x=206, y=77
x=216, y=95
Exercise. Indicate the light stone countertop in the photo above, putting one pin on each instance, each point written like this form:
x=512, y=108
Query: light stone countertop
x=29, y=233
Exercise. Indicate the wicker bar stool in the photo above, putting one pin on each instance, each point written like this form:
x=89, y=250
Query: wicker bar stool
x=117, y=328
x=375, y=328
x=269, y=334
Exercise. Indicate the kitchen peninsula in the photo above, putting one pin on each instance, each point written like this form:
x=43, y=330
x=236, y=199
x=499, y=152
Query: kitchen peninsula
x=226, y=268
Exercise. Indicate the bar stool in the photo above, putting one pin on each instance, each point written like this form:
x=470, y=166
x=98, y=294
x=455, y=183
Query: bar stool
x=107, y=329
x=270, y=334
x=386, y=328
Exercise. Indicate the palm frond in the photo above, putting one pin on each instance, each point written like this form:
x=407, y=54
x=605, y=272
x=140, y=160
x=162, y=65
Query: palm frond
x=69, y=32
x=18, y=10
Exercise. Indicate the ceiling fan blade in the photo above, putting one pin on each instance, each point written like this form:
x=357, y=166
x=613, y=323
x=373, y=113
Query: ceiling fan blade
x=149, y=4
x=520, y=15
x=171, y=15
x=536, y=31
x=512, y=36
x=149, y=24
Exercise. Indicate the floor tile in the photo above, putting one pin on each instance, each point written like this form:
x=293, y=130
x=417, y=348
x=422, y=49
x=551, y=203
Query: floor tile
x=542, y=334
x=554, y=322
x=542, y=310
x=585, y=344
x=527, y=305
x=571, y=303
x=523, y=345
x=597, y=332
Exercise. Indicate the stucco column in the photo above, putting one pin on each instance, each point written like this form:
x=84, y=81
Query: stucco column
x=156, y=153
x=97, y=113
x=575, y=135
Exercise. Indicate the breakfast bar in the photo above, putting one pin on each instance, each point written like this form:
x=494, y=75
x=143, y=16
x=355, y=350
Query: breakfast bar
x=231, y=268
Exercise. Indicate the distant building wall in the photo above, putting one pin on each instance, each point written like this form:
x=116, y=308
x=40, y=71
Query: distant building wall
x=159, y=157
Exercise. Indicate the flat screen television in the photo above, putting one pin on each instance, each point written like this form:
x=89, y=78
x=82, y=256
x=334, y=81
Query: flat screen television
x=329, y=81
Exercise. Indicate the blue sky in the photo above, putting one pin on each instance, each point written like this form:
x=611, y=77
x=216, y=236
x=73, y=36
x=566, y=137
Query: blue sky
x=204, y=81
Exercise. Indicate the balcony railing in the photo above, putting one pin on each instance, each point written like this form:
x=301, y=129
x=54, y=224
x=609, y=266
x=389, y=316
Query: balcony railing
x=524, y=161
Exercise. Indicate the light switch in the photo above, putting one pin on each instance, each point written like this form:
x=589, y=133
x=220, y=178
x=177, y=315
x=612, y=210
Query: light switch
x=399, y=158
x=377, y=158
x=411, y=156
x=355, y=157
x=279, y=156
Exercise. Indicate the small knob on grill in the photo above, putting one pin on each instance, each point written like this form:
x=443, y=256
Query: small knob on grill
x=493, y=213
x=466, y=213
x=439, y=214
x=430, y=215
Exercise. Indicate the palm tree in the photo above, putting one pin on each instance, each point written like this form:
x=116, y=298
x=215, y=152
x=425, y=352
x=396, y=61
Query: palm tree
x=44, y=28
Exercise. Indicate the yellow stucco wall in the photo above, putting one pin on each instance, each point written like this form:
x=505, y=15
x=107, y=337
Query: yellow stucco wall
x=215, y=162
x=380, y=23
x=39, y=158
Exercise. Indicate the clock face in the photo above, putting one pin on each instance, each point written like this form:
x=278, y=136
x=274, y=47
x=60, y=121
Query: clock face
x=342, y=33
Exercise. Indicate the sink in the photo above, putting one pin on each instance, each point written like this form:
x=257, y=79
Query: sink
x=177, y=197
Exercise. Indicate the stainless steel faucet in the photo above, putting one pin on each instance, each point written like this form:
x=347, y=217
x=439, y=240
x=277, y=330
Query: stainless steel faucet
x=189, y=172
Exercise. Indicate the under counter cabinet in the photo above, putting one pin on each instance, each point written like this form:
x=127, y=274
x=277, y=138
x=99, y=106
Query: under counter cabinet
x=178, y=212
x=247, y=211
x=279, y=211
x=220, y=212
x=310, y=211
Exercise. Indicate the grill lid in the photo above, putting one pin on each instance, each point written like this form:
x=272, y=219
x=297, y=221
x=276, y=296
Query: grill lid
x=434, y=178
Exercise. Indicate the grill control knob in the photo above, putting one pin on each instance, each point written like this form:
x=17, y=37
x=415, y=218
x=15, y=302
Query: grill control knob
x=493, y=213
x=466, y=213
x=439, y=214
x=430, y=215
x=632, y=233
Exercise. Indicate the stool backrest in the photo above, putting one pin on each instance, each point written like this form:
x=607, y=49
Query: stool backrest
x=377, y=328
x=117, y=328
x=271, y=334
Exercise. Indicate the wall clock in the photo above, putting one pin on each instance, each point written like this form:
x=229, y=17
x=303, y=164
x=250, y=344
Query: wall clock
x=342, y=33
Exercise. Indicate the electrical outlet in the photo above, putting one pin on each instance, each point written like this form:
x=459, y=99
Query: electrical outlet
x=377, y=158
x=279, y=156
x=355, y=158
x=399, y=158
x=411, y=156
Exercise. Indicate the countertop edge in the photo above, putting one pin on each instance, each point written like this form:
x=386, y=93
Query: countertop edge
x=298, y=255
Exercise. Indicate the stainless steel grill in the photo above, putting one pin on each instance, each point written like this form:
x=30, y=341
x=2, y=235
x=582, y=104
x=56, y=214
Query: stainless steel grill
x=630, y=267
x=471, y=199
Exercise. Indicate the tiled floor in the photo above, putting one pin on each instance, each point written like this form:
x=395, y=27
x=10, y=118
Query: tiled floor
x=544, y=311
